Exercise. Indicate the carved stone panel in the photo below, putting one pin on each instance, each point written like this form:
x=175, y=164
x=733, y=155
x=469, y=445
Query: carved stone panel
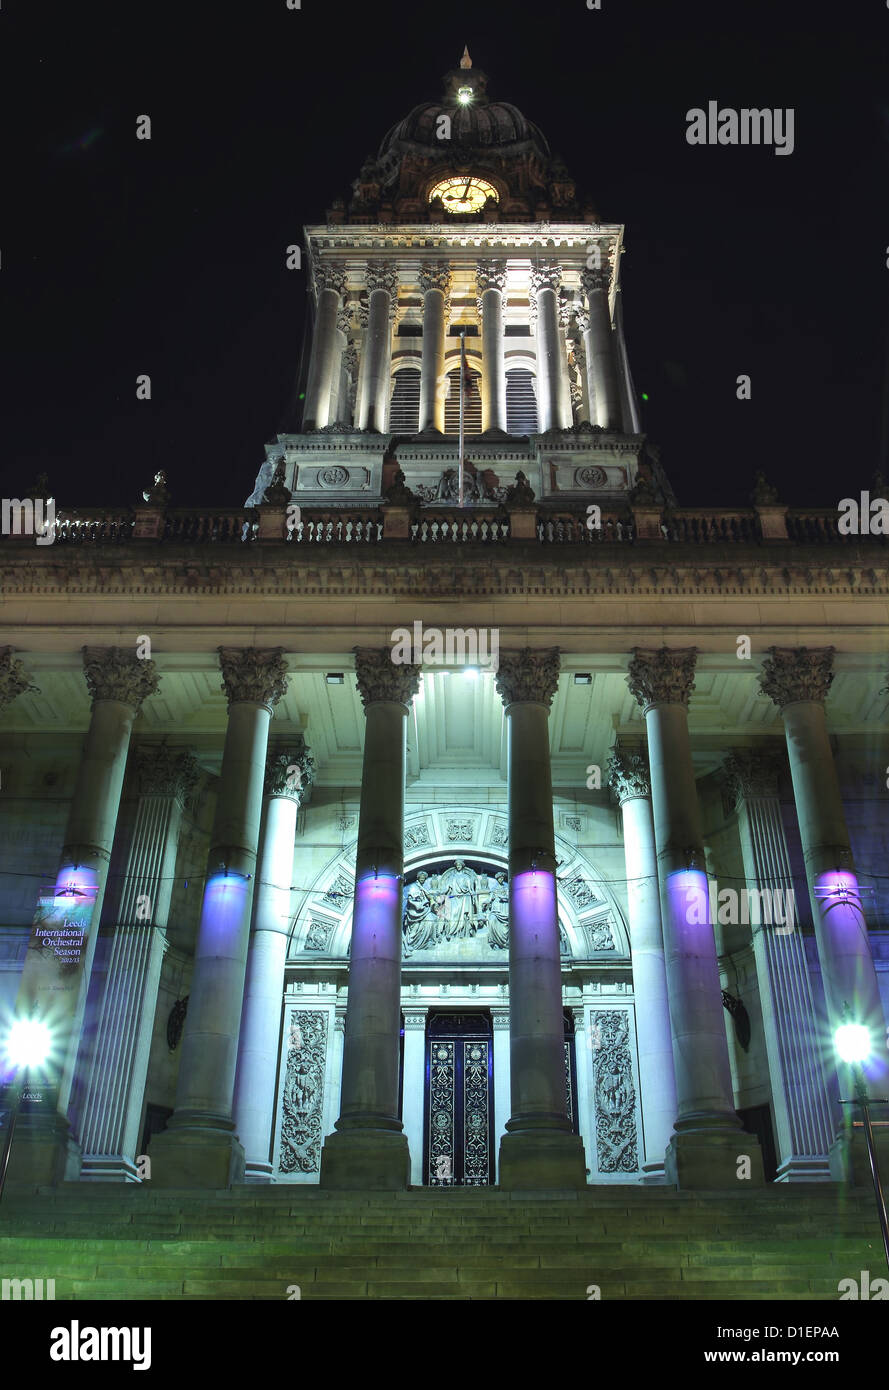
x=303, y=1092
x=617, y=1147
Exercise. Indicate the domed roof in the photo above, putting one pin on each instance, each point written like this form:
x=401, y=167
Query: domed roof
x=476, y=122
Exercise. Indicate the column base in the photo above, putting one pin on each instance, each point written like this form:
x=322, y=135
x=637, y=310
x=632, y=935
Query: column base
x=713, y=1160
x=533, y=1158
x=849, y=1162
x=809, y=1169
x=654, y=1174
x=196, y=1157
x=108, y=1168
x=356, y=1160
x=258, y=1172
x=44, y=1153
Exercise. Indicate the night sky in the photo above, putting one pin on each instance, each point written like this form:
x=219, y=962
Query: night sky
x=122, y=256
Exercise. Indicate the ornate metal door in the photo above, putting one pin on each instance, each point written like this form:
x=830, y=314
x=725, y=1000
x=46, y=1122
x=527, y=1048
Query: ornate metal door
x=459, y=1114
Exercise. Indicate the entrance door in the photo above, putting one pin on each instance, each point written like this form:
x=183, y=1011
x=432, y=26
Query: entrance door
x=459, y=1113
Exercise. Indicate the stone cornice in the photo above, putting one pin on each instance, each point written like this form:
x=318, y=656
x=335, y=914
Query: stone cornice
x=381, y=680
x=528, y=677
x=112, y=673
x=791, y=674
x=253, y=675
x=662, y=677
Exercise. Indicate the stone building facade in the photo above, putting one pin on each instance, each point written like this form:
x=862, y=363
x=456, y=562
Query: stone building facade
x=575, y=893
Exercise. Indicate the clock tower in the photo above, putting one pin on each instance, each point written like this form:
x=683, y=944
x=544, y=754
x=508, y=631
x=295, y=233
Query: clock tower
x=465, y=234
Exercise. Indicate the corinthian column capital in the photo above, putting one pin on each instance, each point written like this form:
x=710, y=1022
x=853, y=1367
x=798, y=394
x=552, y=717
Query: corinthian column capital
x=790, y=674
x=491, y=275
x=436, y=275
x=13, y=679
x=330, y=277
x=628, y=775
x=752, y=772
x=290, y=772
x=380, y=679
x=528, y=677
x=114, y=674
x=546, y=275
x=595, y=281
x=253, y=675
x=664, y=677
x=382, y=275
x=164, y=771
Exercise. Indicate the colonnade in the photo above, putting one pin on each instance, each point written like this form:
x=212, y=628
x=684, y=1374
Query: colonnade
x=219, y=1132
x=365, y=347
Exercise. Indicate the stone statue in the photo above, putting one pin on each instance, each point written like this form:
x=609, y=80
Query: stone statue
x=419, y=922
x=459, y=885
x=497, y=909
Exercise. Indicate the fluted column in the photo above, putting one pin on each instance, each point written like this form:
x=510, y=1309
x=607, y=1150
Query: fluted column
x=330, y=285
x=545, y=279
x=59, y=959
x=491, y=280
x=382, y=290
x=114, y=1093
x=435, y=280
x=502, y=1089
x=798, y=680
x=414, y=1089
x=538, y=1149
x=369, y=1148
x=288, y=779
x=708, y=1141
x=800, y=1103
x=600, y=352
x=199, y=1148
x=631, y=783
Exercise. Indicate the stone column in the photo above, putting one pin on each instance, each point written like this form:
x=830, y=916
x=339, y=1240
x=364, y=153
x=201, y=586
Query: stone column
x=112, y=1106
x=538, y=1149
x=708, y=1142
x=798, y=680
x=800, y=1103
x=288, y=779
x=413, y=1088
x=330, y=286
x=631, y=783
x=382, y=288
x=332, y=1106
x=199, y=1147
x=59, y=959
x=369, y=1148
x=502, y=1095
x=491, y=280
x=584, y=1079
x=600, y=354
x=434, y=282
x=545, y=279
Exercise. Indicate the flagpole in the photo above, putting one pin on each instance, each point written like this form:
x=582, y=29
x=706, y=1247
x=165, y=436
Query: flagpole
x=462, y=373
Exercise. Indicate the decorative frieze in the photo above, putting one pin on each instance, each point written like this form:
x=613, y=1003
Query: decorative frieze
x=790, y=674
x=254, y=675
x=380, y=679
x=528, y=677
x=664, y=677
x=112, y=673
x=628, y=775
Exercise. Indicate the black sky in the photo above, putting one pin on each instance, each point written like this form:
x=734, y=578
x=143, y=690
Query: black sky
x=122, y=257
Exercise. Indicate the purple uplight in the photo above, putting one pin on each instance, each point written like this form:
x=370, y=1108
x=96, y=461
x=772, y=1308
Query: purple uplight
x=533, y=902
x=688, y=898
x=376, y=908
x=224, y=907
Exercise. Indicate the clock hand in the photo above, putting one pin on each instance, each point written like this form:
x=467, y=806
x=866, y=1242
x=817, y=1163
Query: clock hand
x=466, y=190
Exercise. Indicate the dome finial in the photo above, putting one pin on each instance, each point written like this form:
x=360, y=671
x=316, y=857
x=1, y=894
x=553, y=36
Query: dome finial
x=466, y=61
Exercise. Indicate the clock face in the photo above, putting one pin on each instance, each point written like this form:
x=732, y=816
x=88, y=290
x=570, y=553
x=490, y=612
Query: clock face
x=463, y=193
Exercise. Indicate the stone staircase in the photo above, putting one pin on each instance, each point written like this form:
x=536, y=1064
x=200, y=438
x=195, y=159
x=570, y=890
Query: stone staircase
x=116, y=1242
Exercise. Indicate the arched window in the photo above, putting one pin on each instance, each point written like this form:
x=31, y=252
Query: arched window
x=404, y=411
x=472, y=402
x=521, y=401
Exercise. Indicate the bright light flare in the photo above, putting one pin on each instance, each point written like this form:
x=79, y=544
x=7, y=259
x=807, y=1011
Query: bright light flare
x=29, y=1043
x=853, y=1042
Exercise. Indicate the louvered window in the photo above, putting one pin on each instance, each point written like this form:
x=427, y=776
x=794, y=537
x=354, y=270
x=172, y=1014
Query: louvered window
x=521, y=402
x=404, y=412
x=472, y=403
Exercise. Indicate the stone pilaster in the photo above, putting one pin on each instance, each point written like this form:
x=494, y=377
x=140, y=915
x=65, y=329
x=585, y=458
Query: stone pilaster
x=413, y=1088
x=604, y=390
x=708, y=1141
x=545, y=280
x=199, y=1148
x=289, y=773
x=435, y=282
x=55, y=979
x=491, y=281
x=797, y=680
x=369, y=1148
x=113, y=1095
x=630, y=782
x=800, y=1103
x=381, y=281
x=330, y=285
x=502, y=1087
x=538, y=1149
